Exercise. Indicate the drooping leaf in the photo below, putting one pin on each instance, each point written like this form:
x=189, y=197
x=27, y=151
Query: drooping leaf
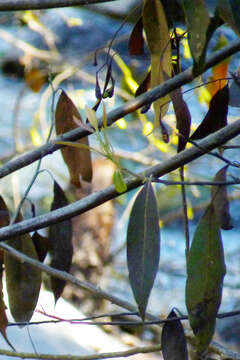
x=174, y=345
x=60, y=238
x=119, y=182
x=183, y=118
x=78, y=160
x=136, y=41
x=159, y=44
x=205, y=273
x=145, y=85
x=143, y=246
x=23, y=280
x=197, y=22
x=229, y=12
x=216, y=117
x=220, y=200
x=42, y=245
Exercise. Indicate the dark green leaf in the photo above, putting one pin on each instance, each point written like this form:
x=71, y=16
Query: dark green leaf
x=229, y=10
x=220, y=200
x=205, y=273
x=143, y=246
x=216, y=117
x=174, y=346
x=136, y=41
x=60, y=238
x=42, y=245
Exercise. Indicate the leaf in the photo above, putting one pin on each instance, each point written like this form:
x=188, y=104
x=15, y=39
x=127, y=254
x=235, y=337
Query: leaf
x=158, y=40
x=23, y=280
x=119, y=182
x=174, y=345
x=205, y=273
x=35, y=79
x=136, y=41
x=183, y=118
x=145, y=85
x=216, y=117
x=197, y=22
x=143, y=246
x=220, y=200
x=60, y=238
x=234, y=90
x=41, y=244
x=78, y=160
x=229, y=12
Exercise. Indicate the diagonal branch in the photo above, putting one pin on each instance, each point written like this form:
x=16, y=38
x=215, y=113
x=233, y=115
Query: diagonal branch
x=144, y=99
x=13, y=5
x=89, y=202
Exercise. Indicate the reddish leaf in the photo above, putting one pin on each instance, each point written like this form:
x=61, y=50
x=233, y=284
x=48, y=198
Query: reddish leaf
x=60, y=238
x=42, y=245
x=78, y=160
x=136, y=41
x=174, y=345
x=216, y=117
x=220, y=200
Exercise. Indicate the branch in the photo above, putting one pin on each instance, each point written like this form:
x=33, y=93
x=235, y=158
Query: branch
x=129, y=107
x=13, y=5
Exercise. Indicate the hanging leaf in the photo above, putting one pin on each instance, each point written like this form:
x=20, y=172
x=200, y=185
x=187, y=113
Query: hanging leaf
x=41, y=244
x=78, y=160
x=205, y=273
x=229, y=11
x=143, y=246
x=220, y=200
x=183, y=118
x=60, y=238
x=119, y=182
x=23, y=280
x=145, y=85
x=159, y=44
x=174, y=345
x=216, y=117
x=197, y=22
x=136, y=41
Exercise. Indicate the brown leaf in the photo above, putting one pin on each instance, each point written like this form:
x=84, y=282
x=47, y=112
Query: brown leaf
x=216, y=117
x=220, y=200
x=78, y=160
x=35, y=79
x=42, y=245
x=22, y=279
x=183, y=118
x=60, y=238
x=136, y=41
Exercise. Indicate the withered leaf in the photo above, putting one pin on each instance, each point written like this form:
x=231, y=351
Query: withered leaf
x=78, y=160
x=216, y=117
x=42, y=245
x=220, y=200
x=205, y=273
x=183, y=118
x=60, y=238
x=23, y=280
x=136, y=41
x=35, y=79
x=143, y=246
x=174, y=345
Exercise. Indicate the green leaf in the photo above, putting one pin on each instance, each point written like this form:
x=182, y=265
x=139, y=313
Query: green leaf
x=143, y=246
x=60, y=238
x=197, y=22
x=158, y=40
x=220, y=200
x=174, y=345
x=205, y=273
x=119, y=182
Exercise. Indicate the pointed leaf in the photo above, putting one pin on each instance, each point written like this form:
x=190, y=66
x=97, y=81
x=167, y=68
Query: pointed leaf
x=216, y=117
x=23, y=280
x=205, y=273
x=174, y=345
x=119, y=182
x=158, y=40
x=42, y=245
x=78, y=160
x=220, y=200
x=60, y=238
x=136, y=41
x=143, y=246
x=145, y=85
x=229, y=11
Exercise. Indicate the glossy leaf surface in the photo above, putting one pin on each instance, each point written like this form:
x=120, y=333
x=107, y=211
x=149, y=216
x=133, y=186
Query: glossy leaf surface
x=60, y=238
x=78, y=160
x=205, y=273
x=174, y=345
x=143, y=246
